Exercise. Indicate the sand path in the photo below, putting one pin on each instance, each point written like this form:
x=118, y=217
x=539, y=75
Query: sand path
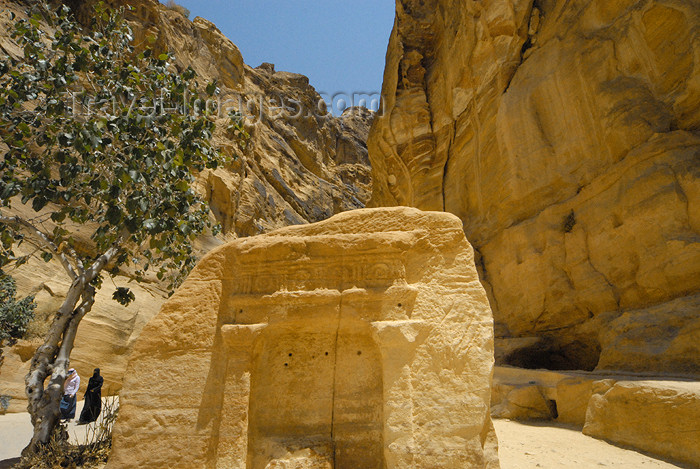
x=521, y=446
x=551, y=446
x=16, y=431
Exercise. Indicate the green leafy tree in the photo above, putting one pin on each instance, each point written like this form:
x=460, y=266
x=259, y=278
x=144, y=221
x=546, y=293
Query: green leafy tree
x=107, y=137
x=15, y=315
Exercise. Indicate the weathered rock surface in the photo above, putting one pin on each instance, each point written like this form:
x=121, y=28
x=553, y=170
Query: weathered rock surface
x=293, y=170
x=362, y=341
x=566, y=136
x=656, y=416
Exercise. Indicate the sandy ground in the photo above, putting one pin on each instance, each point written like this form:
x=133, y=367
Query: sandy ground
x=548, y=445
x=521, y=446
x=16, y=431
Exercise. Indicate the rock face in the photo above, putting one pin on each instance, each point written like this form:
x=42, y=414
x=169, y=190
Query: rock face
x=300, y=165
x=364, y=341
x=657, y=416
x=294, y=169
x=566, y=136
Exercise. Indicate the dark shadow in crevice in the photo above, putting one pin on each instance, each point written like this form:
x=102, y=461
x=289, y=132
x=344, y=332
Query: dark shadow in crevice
x=550, y=354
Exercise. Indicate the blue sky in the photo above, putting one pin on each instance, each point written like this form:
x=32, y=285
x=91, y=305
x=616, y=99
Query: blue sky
x=339, y=44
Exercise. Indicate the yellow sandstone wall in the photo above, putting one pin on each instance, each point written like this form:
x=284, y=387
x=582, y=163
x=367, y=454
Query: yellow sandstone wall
x=566, y=136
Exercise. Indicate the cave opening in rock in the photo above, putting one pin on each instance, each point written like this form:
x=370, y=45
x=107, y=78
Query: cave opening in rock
x=550, y=354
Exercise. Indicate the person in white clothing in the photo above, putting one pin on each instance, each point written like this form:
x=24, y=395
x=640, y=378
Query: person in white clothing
x=70, y=391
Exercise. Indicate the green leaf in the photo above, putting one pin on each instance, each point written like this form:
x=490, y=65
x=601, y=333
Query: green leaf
x=47, y=256
x=123, y=296
x=58, y=217
x=143, y=205
x=118, y=170
x=15, y=314
x=114, y=215
x=39, y=203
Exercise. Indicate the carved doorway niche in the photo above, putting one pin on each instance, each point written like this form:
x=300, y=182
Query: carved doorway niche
x=316, y=390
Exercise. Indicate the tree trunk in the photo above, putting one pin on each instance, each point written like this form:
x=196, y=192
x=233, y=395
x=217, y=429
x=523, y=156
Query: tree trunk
x=52, y=359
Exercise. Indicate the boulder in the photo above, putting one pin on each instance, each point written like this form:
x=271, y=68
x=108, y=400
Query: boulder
x=524, y=403
x=659, y=417
x=654, y=415
x=364, y=341
x=573, y=396
x=521, y=394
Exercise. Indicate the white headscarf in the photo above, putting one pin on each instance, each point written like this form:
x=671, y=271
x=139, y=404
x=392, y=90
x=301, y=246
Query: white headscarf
x=72, y=383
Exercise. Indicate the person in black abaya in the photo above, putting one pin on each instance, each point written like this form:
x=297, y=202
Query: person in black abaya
x=93, y=399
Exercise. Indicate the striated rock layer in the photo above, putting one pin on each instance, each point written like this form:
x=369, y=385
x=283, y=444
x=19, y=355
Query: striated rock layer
x=364, y=341
x=297, y=167
x=566, y=136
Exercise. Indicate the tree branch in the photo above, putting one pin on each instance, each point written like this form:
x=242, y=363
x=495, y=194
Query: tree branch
x=100, y=264
x=72, y=329
x=22, y=223
x=76, y=259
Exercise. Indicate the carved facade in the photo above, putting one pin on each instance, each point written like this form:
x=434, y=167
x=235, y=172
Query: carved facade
x=361, y=342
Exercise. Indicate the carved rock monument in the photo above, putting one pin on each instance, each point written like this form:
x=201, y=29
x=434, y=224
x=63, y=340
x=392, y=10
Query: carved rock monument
x=361, y=342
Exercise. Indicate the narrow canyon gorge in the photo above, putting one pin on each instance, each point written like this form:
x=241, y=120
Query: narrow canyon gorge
x=561, y=141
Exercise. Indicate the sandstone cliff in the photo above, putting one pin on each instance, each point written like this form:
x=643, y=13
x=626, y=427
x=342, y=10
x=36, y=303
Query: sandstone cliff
x=566, y=136
x=298, y=166
x=293, y=170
